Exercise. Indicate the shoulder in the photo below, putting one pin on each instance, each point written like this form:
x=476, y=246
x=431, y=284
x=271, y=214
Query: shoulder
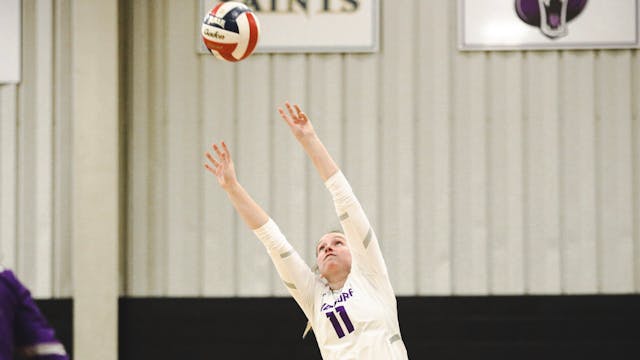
x=11, y=281
x=9, y=288
x=7, y=274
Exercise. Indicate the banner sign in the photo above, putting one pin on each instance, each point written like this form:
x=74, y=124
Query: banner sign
x=10, y=14
x=311, y=25
x=547, y=24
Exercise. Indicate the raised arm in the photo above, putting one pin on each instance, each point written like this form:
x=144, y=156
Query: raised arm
x=361, y=237
x=305, y=134
x=293, y=271
x=252, y=214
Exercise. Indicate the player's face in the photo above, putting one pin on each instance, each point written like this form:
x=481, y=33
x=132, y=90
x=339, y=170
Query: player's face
x=333, y=254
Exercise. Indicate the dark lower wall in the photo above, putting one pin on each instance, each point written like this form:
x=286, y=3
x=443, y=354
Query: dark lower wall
x=244, y=328
x=522, y=327
x=59, y=313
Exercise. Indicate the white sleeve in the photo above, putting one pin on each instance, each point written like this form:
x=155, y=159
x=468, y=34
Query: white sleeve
x=362, y=239
x=293, y=271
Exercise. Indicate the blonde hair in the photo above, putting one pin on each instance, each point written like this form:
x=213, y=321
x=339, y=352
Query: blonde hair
x=335, y=230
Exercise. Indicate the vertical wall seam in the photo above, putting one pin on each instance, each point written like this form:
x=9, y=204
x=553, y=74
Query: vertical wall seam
x=54, y=139
x=634, y=166
x=415, y=139
x=271, y=201
x=235, y=223
x=163, y=148
x=150, y=234
x=526, y=222
x=560, y=130
x=201, y=183
x=451, y=90
x=307, y=168
x=489, y=125
x=598, y=172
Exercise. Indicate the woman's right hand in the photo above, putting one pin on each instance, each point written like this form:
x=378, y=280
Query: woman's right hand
x=222, y=167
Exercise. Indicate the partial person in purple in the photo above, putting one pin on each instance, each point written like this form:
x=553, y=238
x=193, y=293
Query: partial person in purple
x=24, y=331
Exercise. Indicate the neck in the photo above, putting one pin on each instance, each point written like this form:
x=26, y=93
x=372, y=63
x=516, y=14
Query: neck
x=336, y=282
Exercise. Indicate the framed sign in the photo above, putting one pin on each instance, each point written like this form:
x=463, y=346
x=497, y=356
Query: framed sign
x=548, y=24
x=10, y=47
x=311, y=25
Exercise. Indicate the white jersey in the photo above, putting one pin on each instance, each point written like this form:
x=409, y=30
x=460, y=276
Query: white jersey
x=360, y=321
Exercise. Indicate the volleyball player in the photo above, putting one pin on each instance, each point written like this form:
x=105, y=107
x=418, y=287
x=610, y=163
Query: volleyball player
x=350, y=304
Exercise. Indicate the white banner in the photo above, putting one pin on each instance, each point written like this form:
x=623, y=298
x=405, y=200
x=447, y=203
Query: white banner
x=547, y=24
x=311, y=25
x=10, y=41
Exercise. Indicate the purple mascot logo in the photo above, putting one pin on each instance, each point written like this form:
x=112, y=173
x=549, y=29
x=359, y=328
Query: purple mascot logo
x=551, y=16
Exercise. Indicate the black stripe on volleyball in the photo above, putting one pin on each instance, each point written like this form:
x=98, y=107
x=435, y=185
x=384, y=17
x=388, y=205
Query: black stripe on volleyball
x=213, y=21
x=230, y=19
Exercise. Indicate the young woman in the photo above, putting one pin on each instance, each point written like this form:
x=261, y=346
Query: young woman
x=350, y=304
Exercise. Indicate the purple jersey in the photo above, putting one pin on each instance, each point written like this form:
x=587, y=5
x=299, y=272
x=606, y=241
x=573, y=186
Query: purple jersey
x=23, y=328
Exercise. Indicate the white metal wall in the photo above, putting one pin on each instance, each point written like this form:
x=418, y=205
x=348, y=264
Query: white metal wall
x=482, y=172
x=35, y=154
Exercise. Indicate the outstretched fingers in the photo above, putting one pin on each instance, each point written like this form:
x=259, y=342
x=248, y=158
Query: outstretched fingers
x=286, y=118
x=302, y=117
x=210, y=169
x=226, y=152
x=218, y=152
x=214, y=165
x=213, y=161
x=293, y=114
x=295, y=117
x=298, y=111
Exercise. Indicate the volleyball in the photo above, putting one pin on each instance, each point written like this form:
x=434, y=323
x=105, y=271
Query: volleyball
x=230, y=31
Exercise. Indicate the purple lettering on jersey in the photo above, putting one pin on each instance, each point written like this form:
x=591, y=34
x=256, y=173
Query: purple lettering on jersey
x=328, y=310
x=345, y=318
x=342, y=298
x=336, y=325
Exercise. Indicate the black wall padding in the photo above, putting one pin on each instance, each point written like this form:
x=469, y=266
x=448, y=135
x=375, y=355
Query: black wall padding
x=483, y=327
x=206, y=328
x=59, y=314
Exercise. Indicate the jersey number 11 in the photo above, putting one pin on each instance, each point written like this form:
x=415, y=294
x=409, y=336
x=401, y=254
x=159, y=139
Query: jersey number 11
x=336, y=324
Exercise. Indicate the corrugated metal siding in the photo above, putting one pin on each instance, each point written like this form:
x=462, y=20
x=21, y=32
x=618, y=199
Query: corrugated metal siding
x=35, y=193
x=8, y=175
x=482, y=172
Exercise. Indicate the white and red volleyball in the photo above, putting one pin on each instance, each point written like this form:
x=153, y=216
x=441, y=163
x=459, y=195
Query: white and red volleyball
x=230, y=31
